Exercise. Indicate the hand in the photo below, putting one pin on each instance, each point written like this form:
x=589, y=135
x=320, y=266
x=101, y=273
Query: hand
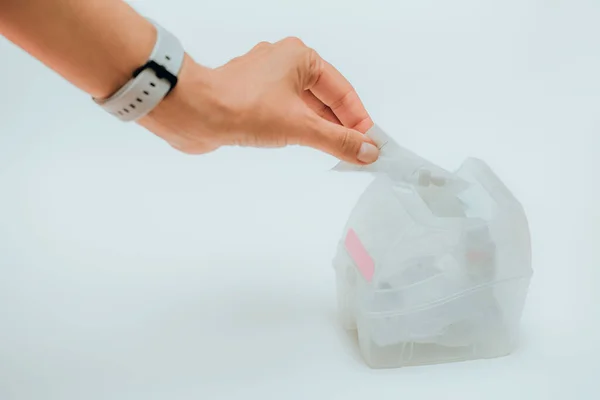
x=276, y=95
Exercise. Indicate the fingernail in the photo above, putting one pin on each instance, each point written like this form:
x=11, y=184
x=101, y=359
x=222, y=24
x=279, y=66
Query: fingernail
x=367, y=153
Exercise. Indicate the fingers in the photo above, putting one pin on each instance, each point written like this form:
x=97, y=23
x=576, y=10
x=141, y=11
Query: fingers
x=318, y=107
x=336, y=92
x=329, y=86
x=339, y=141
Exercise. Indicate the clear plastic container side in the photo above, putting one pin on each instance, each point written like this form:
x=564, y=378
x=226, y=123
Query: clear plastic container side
x=450, y=272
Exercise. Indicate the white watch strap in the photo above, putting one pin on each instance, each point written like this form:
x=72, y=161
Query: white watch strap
x=143, y=92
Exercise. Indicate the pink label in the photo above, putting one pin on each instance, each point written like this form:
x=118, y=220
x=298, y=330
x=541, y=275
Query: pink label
x=359, y=255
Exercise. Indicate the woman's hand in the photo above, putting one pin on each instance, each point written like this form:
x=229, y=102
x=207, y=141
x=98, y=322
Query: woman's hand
x=276, y=95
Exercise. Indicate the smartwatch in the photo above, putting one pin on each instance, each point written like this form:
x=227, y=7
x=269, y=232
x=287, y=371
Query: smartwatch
x=151, y=82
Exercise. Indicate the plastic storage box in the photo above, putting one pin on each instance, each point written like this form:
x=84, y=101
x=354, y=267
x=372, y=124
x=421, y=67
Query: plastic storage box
x=432, y=267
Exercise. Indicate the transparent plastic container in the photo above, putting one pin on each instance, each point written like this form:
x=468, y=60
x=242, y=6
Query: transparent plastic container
x=432, y=267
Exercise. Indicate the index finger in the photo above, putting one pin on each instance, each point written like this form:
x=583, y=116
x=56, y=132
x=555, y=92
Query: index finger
x=334, y=90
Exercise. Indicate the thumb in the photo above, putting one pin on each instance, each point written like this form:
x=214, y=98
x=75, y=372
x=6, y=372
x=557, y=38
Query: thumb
x=341, y=142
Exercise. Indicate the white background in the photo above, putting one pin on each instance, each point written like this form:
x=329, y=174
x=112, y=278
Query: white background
x=130, y=271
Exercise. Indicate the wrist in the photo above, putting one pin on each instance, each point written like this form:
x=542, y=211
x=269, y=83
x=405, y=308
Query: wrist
x=150, y=82
x=190, y=99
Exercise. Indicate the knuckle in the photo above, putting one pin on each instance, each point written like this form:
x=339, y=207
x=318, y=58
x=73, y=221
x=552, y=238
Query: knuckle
x=346, y=143
x=234, y=60
x=315, y=66
x=261, y=45
x=322, y=110
x=293, y=41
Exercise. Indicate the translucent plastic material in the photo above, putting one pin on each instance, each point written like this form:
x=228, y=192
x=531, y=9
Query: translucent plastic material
x=433, y=266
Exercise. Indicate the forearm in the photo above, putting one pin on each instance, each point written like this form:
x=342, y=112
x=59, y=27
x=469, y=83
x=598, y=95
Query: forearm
x=94, y=44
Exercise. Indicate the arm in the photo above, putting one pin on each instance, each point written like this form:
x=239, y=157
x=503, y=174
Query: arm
x=276, y=95
x=94, y=44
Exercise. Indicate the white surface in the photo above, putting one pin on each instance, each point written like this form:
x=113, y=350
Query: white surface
x=129, y=271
